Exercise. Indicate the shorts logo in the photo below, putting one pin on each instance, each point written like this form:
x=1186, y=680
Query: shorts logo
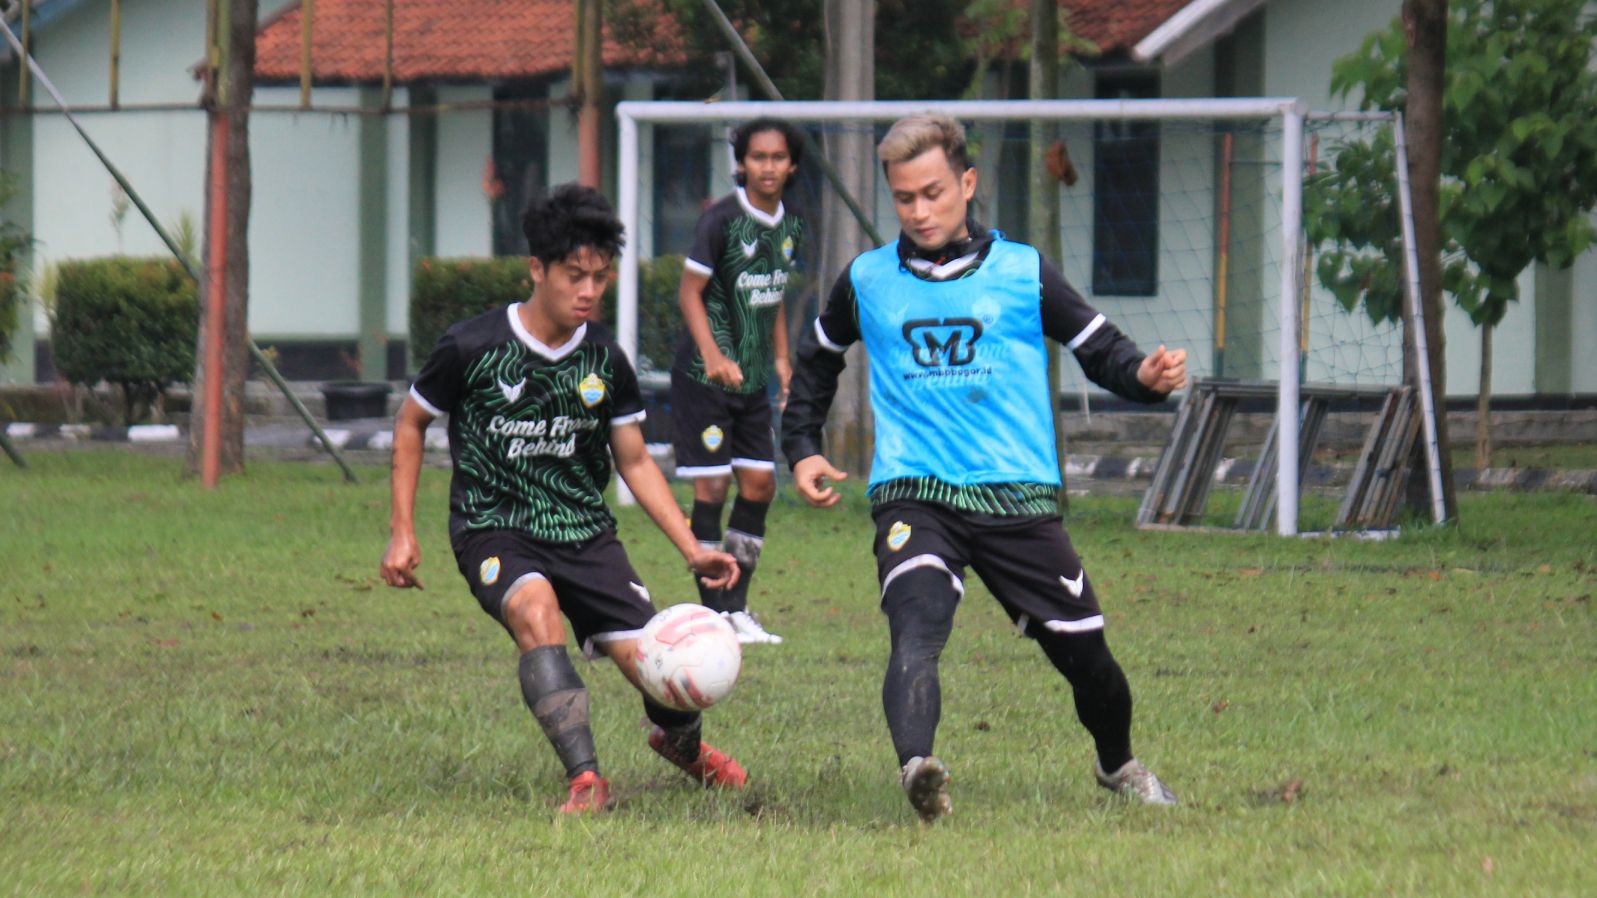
x=591, y=390
x=787, y=249
x=897, y=535
x=712, y=437
x=488, y=573
x=1074, y=586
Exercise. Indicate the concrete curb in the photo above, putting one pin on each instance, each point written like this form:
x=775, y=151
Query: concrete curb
x=378, y=438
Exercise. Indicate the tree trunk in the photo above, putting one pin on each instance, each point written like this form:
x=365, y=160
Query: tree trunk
x=1483, y=404
x=850, y=75
x=1425, y=24
x=232, y=101
x=1043, y=216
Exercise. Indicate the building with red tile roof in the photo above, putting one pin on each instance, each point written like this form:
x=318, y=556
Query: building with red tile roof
x=446, y=41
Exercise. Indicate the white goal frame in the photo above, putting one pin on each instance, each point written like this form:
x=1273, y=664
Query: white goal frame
x=1289, y=111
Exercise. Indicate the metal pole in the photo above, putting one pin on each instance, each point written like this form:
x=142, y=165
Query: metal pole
x=388, y=57
x=10, y=450
x=171, y=245
x=1223, y=265
x=811, y=150
x=24, y=98
x=1286, y=458
x=1422, y=364
x=215, y=300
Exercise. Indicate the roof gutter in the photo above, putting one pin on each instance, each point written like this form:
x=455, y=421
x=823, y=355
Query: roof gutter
x=1194, y=27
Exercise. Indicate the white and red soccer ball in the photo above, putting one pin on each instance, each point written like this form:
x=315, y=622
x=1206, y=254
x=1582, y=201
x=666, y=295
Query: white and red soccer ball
x=688, y=657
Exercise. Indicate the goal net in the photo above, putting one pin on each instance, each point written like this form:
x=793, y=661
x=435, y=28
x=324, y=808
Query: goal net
x=1180, y=220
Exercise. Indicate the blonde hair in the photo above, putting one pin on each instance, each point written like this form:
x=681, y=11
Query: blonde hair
x=915, y=134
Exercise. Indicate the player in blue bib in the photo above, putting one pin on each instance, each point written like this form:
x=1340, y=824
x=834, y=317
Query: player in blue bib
x=953, y=318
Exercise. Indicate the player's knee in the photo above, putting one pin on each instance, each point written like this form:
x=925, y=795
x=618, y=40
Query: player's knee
x=920, y=605
x=711, y=489
x=1081, y=657
x=532, y=615
x=757, y=486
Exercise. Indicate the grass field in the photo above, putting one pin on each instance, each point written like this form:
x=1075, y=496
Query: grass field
x=211, y=694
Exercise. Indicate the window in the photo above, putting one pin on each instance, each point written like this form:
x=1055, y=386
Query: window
x=520, y=165
x=1125, y=233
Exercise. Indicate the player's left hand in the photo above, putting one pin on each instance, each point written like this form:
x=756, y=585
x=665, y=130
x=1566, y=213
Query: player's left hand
x=716, y=570
x=1164, y=370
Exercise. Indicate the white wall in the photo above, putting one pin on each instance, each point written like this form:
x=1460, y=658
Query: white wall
x=465, y=144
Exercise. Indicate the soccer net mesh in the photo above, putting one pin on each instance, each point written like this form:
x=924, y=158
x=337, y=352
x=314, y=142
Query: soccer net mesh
x=1170, y=221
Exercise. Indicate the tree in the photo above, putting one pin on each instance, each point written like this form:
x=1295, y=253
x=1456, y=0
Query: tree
x=1518, y=160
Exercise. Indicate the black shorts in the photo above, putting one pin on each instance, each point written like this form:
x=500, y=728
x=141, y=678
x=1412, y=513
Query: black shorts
x=598, y=591
x=714, y=431
x=1028, y=565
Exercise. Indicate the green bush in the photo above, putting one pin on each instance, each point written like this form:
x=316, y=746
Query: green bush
x=14, y=241
x=128, y=322
x=444, y=291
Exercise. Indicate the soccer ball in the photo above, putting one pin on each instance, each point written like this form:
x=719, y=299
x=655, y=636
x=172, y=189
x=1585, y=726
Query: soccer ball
x=688, y=657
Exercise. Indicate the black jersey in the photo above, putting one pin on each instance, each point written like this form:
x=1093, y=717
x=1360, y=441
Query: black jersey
x=529, y=424
x=749, y=258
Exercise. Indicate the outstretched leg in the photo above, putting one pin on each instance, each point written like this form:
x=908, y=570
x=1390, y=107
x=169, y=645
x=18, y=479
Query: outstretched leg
x=919, y=604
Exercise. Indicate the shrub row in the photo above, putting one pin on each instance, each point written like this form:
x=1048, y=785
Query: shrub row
x=444, y=291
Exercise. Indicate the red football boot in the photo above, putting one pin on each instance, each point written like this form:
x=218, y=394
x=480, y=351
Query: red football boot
x=713, y=768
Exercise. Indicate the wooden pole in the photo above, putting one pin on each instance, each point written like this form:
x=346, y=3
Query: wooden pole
x=307, y=19
x=388, y=58
x=27, y=52
x=591, y=62
x=116, y=51
x=215, y=323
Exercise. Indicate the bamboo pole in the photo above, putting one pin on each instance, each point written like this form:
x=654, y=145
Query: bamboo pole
x=307, y=18
x=116, y=52
x=1222, y=283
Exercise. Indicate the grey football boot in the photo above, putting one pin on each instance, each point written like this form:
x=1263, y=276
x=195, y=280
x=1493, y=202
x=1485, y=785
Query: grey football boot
x=1134, y=781
x=925, y=781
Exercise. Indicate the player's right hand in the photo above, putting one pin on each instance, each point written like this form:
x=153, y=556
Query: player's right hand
x=811, y=475
x=723, y=371
x=400, y=562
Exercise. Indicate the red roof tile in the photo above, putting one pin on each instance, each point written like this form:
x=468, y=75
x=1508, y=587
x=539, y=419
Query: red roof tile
x=1117, y=25
x=450, y=40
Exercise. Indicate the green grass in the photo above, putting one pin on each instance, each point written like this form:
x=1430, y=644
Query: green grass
x=210, y=694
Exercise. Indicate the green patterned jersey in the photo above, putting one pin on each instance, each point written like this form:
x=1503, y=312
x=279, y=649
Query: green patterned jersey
x=529, y=425
x=749, y=258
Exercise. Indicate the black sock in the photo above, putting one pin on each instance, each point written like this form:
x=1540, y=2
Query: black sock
x=555, y=695
x=1103, y=697
x=745, y=537
x=681, y=728
x=705, y=521
x=920, y=607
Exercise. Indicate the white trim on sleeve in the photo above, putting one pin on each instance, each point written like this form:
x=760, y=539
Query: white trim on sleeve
x=697, y=267
x=826, y=342
x=422, y=401
x=633, y=418
x=1089, y=330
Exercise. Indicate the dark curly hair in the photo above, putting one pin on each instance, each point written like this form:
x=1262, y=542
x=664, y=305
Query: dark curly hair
x=569, y=218
x=746, y=131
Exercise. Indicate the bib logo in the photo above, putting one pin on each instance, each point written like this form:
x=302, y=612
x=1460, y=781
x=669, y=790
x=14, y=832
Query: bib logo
x=712, y=437
x=897, y=535
x=591, y=390
x=488, y=573
x=938, y=342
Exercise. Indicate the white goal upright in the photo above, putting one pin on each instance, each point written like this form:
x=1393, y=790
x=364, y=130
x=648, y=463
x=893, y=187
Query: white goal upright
x=1183, y=223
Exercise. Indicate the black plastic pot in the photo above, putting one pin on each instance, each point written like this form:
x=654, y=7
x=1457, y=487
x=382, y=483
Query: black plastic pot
x=353, y=399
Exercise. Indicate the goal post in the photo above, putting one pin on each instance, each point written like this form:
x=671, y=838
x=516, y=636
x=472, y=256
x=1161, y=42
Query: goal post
x=1277, y=239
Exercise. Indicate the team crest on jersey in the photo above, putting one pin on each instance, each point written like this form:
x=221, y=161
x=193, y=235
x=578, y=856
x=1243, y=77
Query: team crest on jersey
x=488, y=573
x=897, y=535
x=787, y=249
x=712, y=437
x=591, y=390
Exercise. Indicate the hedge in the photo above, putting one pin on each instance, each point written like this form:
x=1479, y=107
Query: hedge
x=444, y=291
x=130, y=322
